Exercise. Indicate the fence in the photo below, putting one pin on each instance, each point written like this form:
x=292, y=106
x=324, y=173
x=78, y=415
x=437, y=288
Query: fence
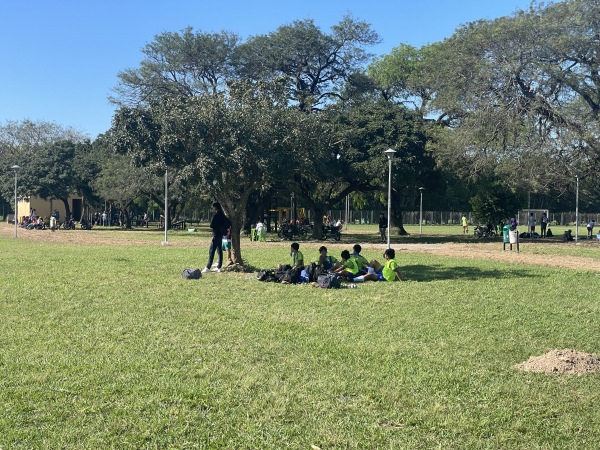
x=366, y=217
x=454, y=218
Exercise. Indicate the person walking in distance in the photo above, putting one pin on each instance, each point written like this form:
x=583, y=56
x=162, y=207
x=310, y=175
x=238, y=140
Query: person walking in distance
x=544, y=224
x=383, y=227
x=219, y=224
x=532, y=224
x=465, y=224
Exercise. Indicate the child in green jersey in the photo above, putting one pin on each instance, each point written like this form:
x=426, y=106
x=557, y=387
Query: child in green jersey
x=389, y=271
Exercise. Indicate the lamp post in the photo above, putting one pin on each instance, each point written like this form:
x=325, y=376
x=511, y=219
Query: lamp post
x=577, y=209
x=166, y=241
x=16, y=169
x=390, y=155
x=421, y=189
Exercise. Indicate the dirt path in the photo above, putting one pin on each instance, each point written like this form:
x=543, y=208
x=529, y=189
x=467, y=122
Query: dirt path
x=530, y=251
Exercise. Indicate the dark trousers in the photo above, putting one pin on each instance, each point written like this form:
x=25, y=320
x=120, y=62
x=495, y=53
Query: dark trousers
x=215, y=245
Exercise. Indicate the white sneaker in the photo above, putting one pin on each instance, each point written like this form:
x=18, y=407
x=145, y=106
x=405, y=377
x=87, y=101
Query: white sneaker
x=217, y=270
x=205, y=270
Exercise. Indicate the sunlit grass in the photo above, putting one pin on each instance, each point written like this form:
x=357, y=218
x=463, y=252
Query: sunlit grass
x=107, y=347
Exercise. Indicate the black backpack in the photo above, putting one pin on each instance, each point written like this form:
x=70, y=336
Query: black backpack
x=290, y=276
x=191, y=274
x=268, y=276
x=311, y=270
x=329, y=281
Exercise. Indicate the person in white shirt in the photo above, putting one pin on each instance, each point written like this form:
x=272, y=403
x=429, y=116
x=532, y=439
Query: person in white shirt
x=590, y=228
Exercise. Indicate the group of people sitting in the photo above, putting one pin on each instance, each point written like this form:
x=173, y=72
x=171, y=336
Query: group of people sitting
x=32, y=223
x=352, y=267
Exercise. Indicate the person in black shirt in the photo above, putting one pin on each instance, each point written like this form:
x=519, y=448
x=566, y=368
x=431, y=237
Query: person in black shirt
x=383, y=227
x=219, y=225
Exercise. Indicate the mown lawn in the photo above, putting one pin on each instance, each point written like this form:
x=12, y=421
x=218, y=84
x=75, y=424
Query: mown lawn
x=107, y=347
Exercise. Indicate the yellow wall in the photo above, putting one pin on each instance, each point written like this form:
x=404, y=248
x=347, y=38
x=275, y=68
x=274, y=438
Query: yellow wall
x=43, y=207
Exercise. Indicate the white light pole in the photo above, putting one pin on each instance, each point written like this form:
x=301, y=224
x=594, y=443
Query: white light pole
x=166, y=241
x=577, y=209
x=16, y=169
x=390, y=155
x=421, y=189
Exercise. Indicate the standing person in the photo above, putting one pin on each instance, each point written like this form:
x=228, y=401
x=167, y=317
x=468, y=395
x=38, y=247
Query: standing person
x=544, y=224
x=531, y=224
x=465, y=224
x=383, y=227
x=226, y=245
x=590, y=228
x=219, y=225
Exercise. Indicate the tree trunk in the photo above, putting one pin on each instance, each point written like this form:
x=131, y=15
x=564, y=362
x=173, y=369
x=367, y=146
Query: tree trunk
x=237, y=216
x=396, y=220
x=67, y=208
x=236, y=247
x=318, y=214
x=127, y=219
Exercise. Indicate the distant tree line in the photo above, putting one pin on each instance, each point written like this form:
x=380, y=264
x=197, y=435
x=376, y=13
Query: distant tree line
x=500, y=116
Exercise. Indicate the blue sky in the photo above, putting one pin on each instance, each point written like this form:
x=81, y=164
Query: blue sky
x=60, y=58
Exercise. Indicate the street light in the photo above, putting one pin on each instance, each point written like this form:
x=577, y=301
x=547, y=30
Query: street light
x=16, y=169
x=577, y=210
x=421, y=189
x=166, y=241
x=390, y=155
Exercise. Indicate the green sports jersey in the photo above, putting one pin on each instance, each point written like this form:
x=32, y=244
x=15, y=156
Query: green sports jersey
x=361, y=261
x=297, y=259
x=389, y=270
x=351, y=266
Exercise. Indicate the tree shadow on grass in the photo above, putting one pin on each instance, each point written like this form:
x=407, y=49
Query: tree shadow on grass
x=438, y=272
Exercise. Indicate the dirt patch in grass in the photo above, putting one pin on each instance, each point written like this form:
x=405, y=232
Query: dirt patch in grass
x=561, y=362
x=529, y=254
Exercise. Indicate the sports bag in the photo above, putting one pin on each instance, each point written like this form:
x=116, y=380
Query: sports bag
x=290, y=276
x=267, y=275
x=191, y=274
x=329, y=281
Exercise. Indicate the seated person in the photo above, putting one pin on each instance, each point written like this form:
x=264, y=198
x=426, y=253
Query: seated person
x=348, y=268
x=361, y=261
x=388, y=272
x=297, y=261
x=326, y=262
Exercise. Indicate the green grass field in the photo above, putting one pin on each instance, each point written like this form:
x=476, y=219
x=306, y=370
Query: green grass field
x=105, y=346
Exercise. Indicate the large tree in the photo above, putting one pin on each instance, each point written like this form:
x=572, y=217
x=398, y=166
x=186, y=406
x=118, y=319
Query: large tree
x=180, y=64
x=234, y=143
x=314, y=64
x=45, y=152
x=316, y=67
x=365, y=131
x=121, y=182
x=525, y=96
